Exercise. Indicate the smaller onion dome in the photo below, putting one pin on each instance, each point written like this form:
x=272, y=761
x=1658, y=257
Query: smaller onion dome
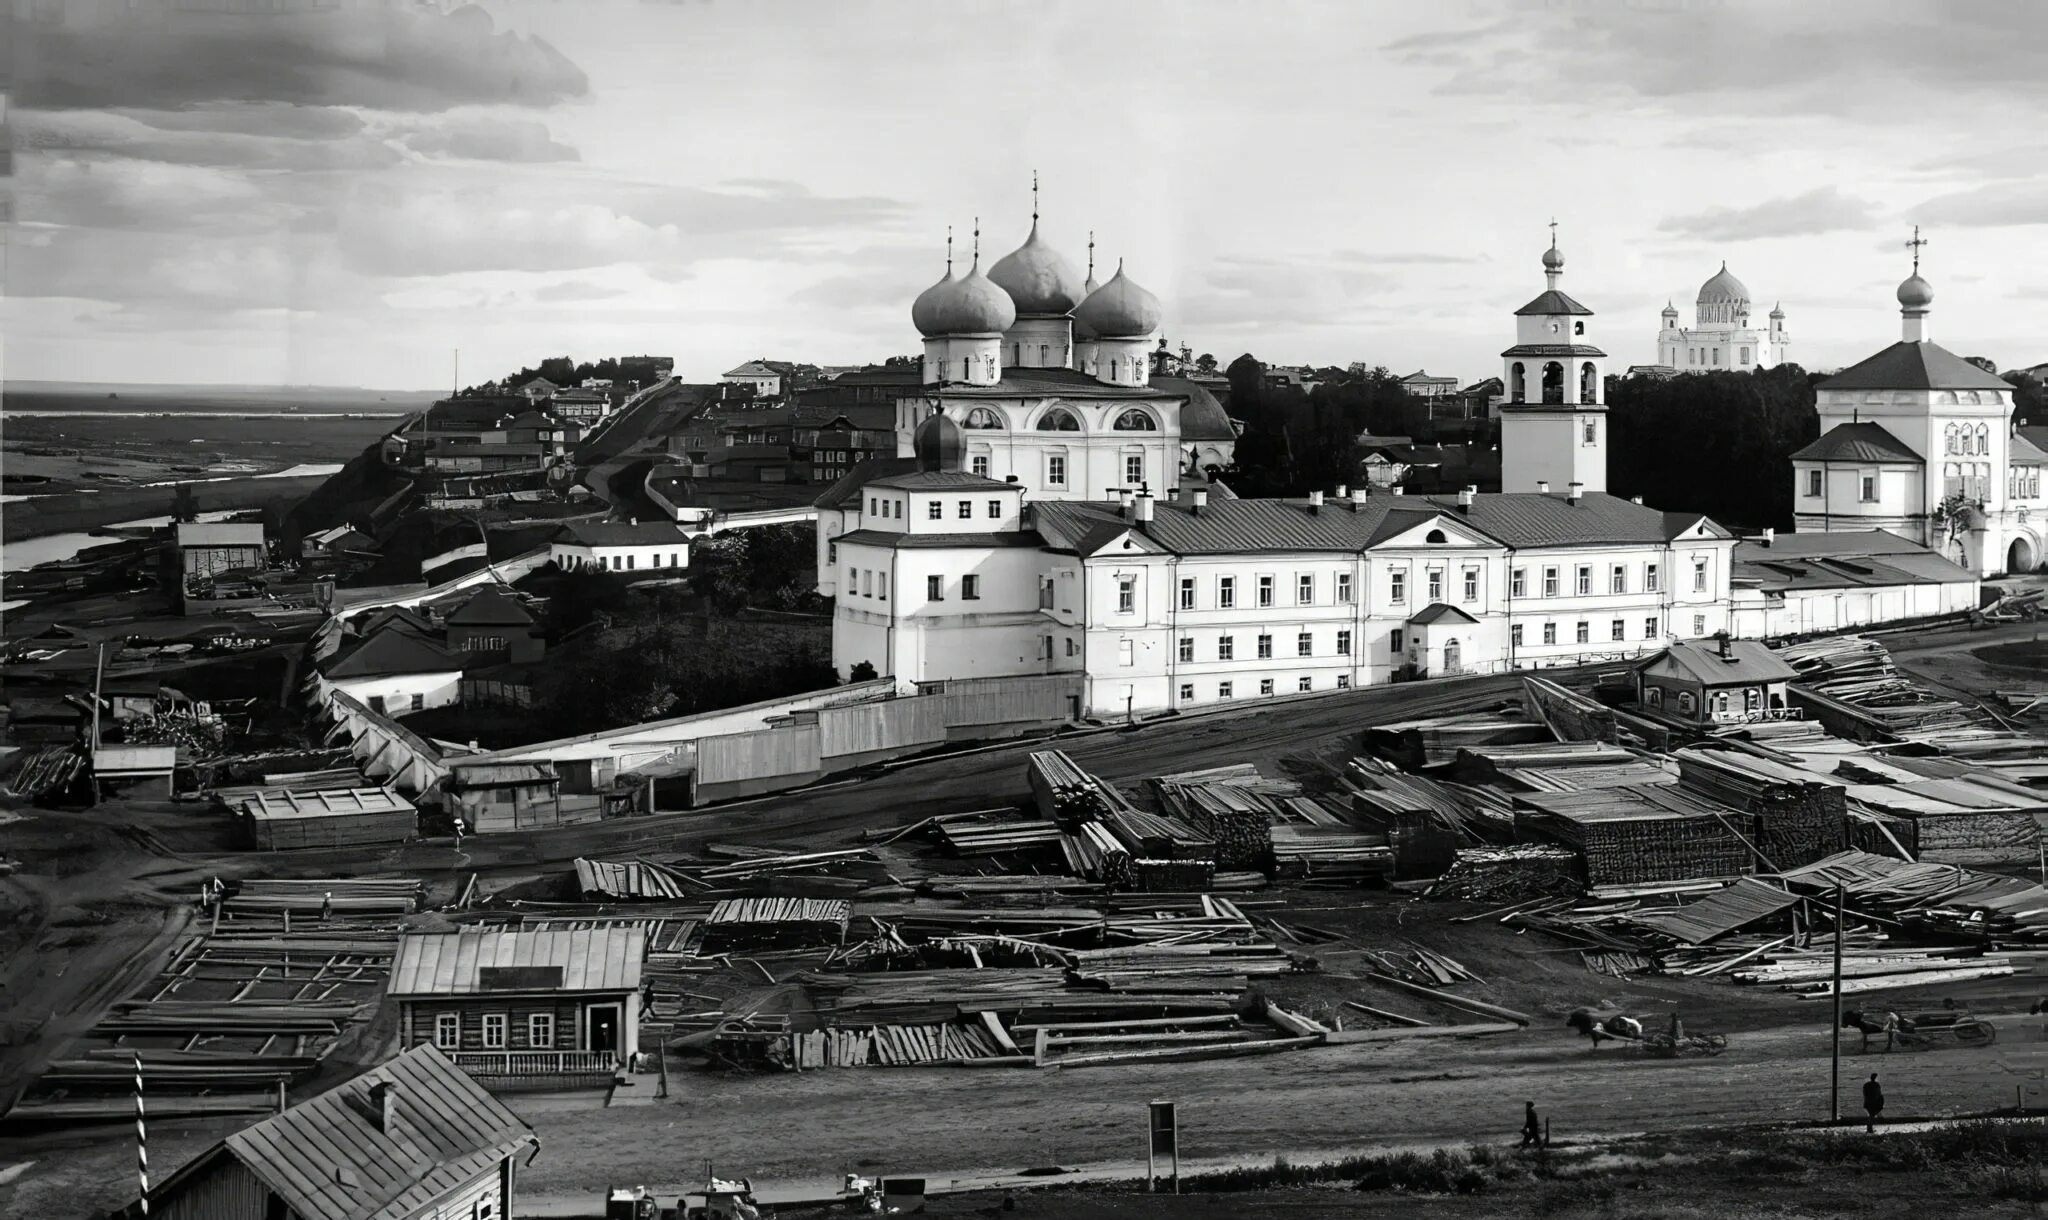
x=1038, y=280
x=924, y=311
x=1670, y=310
x=1778, y=310
x=1119, y=309
x=970, y=305
x=938, y=443
x=1915, y=293
x=1553, y=258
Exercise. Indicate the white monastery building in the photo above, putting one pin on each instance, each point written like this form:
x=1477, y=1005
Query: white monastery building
x=1920, y=442
x=1721, y=336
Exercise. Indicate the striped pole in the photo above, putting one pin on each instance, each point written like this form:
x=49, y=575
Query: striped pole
x=141, y=1137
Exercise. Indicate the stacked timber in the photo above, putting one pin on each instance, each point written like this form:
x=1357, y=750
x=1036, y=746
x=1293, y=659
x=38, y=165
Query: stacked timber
x=1336, y=854
x=894, y=1046
x=1092, y=852
x=1509, y=874
x=1857, y=672
x=339, y=895
x=635, y=880
x=757, y=865
x=1065, y=793
x=1073, y=1044
x=775, y=923
x=1643, y=835
x=45, y=773
x=1236, y=819
x=1800, y=817
x=1156, y=837
x=1171, y=876
x=988, y=838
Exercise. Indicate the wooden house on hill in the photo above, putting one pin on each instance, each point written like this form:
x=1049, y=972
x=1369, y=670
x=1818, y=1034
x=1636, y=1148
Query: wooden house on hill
x=1716, y=682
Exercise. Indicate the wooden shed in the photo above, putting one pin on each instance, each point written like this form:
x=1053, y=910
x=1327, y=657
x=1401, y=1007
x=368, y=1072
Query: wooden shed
x=280, y=819
x=492, y=798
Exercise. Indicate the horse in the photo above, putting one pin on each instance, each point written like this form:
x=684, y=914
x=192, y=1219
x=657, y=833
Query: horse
x=1595, y=1026
x=1890, y=1024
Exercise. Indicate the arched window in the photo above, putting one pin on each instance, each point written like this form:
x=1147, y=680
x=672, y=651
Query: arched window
x=1686, y=703
x=1578, y=328
x=1553, y=382
x=1059, y=419
x=1518, y=382
x=1984, y=438
x=1589, y=382
x=982, y=417
x=1435, y=536
x=967, y=368
x=1135, y=420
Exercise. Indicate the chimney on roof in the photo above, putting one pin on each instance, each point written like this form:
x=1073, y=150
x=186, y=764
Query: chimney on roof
x=1142, y=509
x=1398, y=490
x=1009, y=478
x=1575, y=491
x=1543, y=486
x=1722, y=638
x=1357, y=498
x=1465, y=498
x=1770, y=535
x=1125, y=497
x=1315, y=501
x=632, y=521
x=1201, y=500
x=1342, y=490
x=384, y=1107
x=1635, y=499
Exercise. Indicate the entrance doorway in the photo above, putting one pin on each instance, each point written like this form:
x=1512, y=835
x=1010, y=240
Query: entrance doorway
x=601, y=1028
x=2021, y=556
x=1452, y=656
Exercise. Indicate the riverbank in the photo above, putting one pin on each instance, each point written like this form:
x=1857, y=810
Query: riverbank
x=84, y=511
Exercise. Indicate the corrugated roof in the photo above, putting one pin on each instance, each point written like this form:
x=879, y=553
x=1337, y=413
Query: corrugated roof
x=1553, y=302
x=623, y=533
x=912, y=542
x=463, y=963
x=1914, y=366
x=943, y=480
x=1858, y=442
x=449, y=1129
x=392, y=650
x=1747, y=661
x=1542, y=519
x=1719, y=913
x=280, y=804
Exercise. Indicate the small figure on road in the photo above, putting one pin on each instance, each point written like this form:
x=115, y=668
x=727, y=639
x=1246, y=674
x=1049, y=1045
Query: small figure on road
x=459, y=828
x=1532, y=1127
x=1873, y=1102
x=326, y=905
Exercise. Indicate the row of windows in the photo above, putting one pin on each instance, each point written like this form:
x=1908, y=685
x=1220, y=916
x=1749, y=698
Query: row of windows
x=1962, y=439
x=1265, y=589
x=540, y=1031
x=1866, y=486
x=1059, y=419
x=1718, y=701
x=625, y=563
x=1617, y=579
x=1267, y=686
x=934, y=510
x=1226, y=646
x=1617, y=630
x=2023, y=482
x=872, y=582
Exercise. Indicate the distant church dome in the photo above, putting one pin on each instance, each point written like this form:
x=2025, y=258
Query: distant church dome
x=1553, y=258
x=1119, y=309
x=1670, y=310
x=1778, y=310
x=924, y=311
x=970, y=305
x=1038, y=280
x=938, y=443
x=1915, y=293
x=1724, y=289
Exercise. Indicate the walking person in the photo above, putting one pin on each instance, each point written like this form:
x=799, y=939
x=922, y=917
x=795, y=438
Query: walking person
x=1873, y=1102
x=1532, y=1127
x=326, y=906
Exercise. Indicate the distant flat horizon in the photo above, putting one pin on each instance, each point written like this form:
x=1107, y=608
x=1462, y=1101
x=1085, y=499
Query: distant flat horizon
x=167, y=387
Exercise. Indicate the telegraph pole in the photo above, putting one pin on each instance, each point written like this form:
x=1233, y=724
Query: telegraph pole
x=1835, y=1033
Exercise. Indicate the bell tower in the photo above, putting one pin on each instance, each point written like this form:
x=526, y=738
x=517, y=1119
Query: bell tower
x=1553, y=415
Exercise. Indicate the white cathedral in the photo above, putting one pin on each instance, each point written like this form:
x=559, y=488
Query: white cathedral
x=1721, y=336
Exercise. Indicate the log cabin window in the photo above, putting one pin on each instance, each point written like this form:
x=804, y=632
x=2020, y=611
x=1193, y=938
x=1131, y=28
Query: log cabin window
x=447, y=1031
x=494, y=1031
x=540, y=1030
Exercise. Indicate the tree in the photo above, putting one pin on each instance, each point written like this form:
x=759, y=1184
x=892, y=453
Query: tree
x=1205, y=364
x=2029, y=398
x=1982, y=362
x=862, y=671
x=1718, y=442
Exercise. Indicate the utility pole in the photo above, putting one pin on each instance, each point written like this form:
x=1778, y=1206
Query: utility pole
x=1835, y=1033
x=99, y=670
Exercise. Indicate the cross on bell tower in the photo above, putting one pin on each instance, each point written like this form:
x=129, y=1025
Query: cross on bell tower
x=1914, y=245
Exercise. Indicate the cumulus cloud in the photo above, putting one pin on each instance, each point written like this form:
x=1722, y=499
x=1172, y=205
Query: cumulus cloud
x=1822, y=210
x=114, y=193
x=165, y=55
x=1994, y=205
x=488, y=138
x=343, y=142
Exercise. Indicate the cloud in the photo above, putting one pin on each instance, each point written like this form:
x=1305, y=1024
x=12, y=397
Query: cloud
x=575, y=290
x=163, y=55
x=342, y=142
x=1262, y=293
x=1822, y=210
x=1990, y=206
x=486, y=138
x=387, y=232
x=113, y=193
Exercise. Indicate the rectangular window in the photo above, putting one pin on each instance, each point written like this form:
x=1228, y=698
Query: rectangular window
x=1699, y=624
x=1869, y=489
x=1265, y=646
x=1304, y=644
x=1619, y=630
x=1699, y=576
x=1343, y=643
x=1550, y=633
x=1187, y=692
x=419, y=702
x=1073, y=649
x=995, y=509
x=873, y=507
x=966, y=509
x=1343, y=681
x=540, y=1031
x=1515, y=635
x=1187, y=592
x=1056, y=471
x=1585, y=632
x=1045, y=648
x=1134, y=470
x=1394, y=641
x=1343, y=588
x=494, y=1031
x=831, y=552
x=1304, y=590
x=1585, y=574
x=934, y=510
x=882, y=585
x=970, y=588
x=1471, y=584
x=980, y=464
x=1265, y=590
x=867, y=582
x=1265, y=686
x=1226, y=592
x=1649, y=578
x=1226, y=648
x=1592, y=435
x=1550, y=582
x=1306, y=683
x=1650, y=628
x=1617, y=580
x=1125, y=653
x=935, y=588
x=1187, y=648
x=1397, y=587
x=1126, y=594
x=1223, y=690
x=447, y=1031
x=1436, y=585
x=1045, y=593
x=1518, y=582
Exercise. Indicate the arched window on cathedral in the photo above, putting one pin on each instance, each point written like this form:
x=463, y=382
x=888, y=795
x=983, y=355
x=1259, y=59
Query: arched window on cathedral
x=1134, y=420
x=1589, y=383
x=1948, y=437
x=1553, y=381
x=1059, y=419
x=1518, y=383
x=982, y=417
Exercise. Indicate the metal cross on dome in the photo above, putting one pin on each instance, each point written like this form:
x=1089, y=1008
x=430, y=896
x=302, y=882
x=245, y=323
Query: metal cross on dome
x=1914, y=245
x=1553, y=231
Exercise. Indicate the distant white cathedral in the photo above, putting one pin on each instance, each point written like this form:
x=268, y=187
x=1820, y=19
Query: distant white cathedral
x=1721, y=336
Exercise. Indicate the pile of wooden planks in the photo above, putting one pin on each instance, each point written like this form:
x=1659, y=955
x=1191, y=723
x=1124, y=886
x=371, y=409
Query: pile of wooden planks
x=634, y=880
x=1509, y=874
x=978, y=837
x=1065, y=793
x=339, y=895
x=1235, y=819
x=1092, y=852
x=1325, y=853
x=897, y=1046
x=43, y=773
x=774, y=923
x=1421, y=966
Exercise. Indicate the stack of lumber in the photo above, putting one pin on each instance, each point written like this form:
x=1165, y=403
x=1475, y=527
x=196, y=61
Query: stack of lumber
x=1800, y=817
x=923, y=996
x=42, y=773
x=170, y=1016
x=1092, y=852
x=639, y=880
x=1858, y=672
x=987, y=838
x=1156, y=837
x=1386, y=797
x=775, y=923
x=1331, y=853
x=1171, y=876
x=1812, y=972
x=1434, y=741
x=1233, y=816
x=896, y=1045
x=341, y=895
x=772, y=863
x=1507, y=874
x=1643, y=835
x=113, y=1071
x=1072, y=1044
x=1065, y=793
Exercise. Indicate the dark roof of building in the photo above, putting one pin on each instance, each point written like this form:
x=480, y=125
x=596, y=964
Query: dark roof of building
x=876, y=374
x=943, y=480
x=859, y=416
x=1203, y=417
x=1525, y=519
x=2035, y=435
x=1850, y=560
x=622, y=533
x=329, y=1157
x=390, y=651
x=1411, y=455
x=1914, y=366
x=406, y=616
x=912, y=542
x=1232, y=526
x=847, y=490
x=1858, y=442
x=1702, y=660
x=2030, y=445
x=1838, y=544
x=1437, y=612
x=1553, y=302
x=1066, y=383
x=491, y=607
x=1553, y=349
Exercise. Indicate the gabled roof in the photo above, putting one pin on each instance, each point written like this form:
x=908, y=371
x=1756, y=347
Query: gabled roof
x=943, y=480
x=1747, y=662
x=328, y=1157
x=491, y=607
x=1437, y=612
x=2030, y=445
x=622, y=533
x=470, y=962
x=405, y=616
x=391, y=651
x=912, y=542
x=1544, y=519
x=762, y=368
x=1552, y=302
x=1914, y=366
x=1858, y=442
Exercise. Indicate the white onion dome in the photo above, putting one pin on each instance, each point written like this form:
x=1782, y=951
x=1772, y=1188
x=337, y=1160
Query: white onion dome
x=1553, y=258
x=970, y=305
x=1119, y=309
x=1915, y=293
x=1038, y=280
x=1724, y=289
x=1670, y=310
x=1778, y=310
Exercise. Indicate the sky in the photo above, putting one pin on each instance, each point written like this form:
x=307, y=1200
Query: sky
x=352, y=195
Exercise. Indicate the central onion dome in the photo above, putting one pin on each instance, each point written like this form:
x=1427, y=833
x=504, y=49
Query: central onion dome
x=938, y=443
x=1119, y=309
x=970, y=305
x=1724, y=289
x=1915, y=293
x=1038, y=280
x=1553, y=258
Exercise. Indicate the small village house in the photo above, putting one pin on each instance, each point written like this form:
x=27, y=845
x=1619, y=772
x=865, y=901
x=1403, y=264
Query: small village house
x=620, y=546
x=493, y=627
x=526, y=1009
x=334, y=542
x=1718, y=681
x=206, y=547
x=767, y=378
x=492, y=798
x=412, y=1139
x=395, y=671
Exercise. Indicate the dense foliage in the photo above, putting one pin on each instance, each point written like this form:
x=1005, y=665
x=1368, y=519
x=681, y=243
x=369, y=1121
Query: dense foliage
x=1720, y=443
x=773, y=567
x=1297, y=441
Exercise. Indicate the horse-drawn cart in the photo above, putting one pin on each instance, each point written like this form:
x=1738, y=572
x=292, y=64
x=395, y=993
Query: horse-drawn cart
x=1671, y=1044
x=1927, y=1030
